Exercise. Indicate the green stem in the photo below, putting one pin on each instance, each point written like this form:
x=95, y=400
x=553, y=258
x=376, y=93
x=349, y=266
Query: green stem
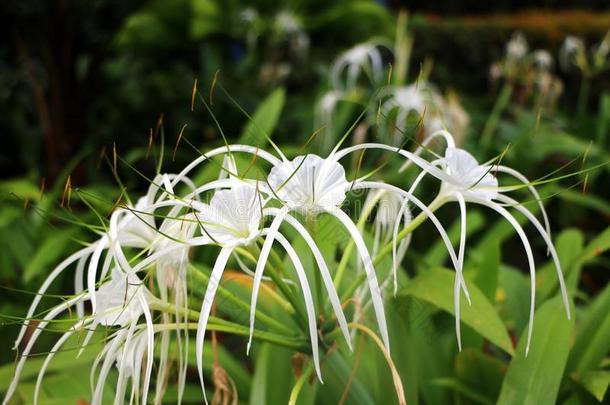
x=296, y=390
x=225, y=294
x=311, y=228
x=240, y=330
x=494, y=116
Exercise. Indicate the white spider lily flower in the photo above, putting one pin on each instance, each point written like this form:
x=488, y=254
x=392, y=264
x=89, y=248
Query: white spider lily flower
x=573, y=52
x=458, y=171
x=312, y=185
x=543, y=60
x=419, y=98
x=323, y=120
x=517, y=47
x=475, y=183
x=348, y=67
x=391, y=213
x=232, y=219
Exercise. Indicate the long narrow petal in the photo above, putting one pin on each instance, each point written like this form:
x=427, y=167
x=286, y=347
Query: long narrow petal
x=121, y=384
x=206, y=307
x=83, y=253
x=369, y=270
x=260, y=267
x=430, y=214
x=422, y=163
x=59, y=309
x=150, y=342
x=223, y=150
x=309, y=305
x=108, y=361
x=326, y=277
x=530, y=258
x=549, y=244
x=440, y=133
x=56, y=347
x=456, y=288
x=531, y=188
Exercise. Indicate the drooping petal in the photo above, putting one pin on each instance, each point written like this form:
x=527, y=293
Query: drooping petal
x=309, y=305
x=52, y=314
x=369, y=270
x=549, y=244
x=206, y=307
x=83, y=253
x=530, y=258
x=271, y=232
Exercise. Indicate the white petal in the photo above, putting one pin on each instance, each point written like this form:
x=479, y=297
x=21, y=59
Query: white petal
x=309, y=306
x=369, y=270
x=206, y=307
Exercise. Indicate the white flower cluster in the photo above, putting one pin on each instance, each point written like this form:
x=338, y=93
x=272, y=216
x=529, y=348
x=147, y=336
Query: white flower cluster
x=125, y=289
x=531, y=70
x=362, y=66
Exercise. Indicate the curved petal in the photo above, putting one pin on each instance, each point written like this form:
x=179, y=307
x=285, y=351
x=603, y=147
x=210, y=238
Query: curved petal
x=549, y=244
x=260, y=266
x=83, y=253
x=309, y=305
x=206, y=307
x=530, y=258
x=369, y=270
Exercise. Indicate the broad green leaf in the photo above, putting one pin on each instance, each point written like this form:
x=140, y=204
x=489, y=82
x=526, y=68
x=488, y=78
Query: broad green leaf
x=535, y=379
x=513, y=298
x=596, y=382
x=264, y=120
x=569, y=245
x=593, y=338
x=436, y=287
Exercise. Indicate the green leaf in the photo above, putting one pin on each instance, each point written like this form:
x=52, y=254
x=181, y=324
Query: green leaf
x=593, y=338
x=535, y=379
x=436, y=287
x=264, y=120
x=596, y=382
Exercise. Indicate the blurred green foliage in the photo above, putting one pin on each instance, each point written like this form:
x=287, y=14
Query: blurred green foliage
x=78, y=77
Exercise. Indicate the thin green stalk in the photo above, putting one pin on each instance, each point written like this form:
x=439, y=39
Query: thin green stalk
x=240, y=330
x=494, y=117
x=311, y=228
x=225, y=294
x=296, y=390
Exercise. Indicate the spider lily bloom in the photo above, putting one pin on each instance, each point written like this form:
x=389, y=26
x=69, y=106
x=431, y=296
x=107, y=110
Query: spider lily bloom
x=232, y=219
x=419, y=98
x=472, y=182
x=122, y=301
x=324, y=111
x=574, y=53
x=365, y=58
x=391, y=212
x=312, y=185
